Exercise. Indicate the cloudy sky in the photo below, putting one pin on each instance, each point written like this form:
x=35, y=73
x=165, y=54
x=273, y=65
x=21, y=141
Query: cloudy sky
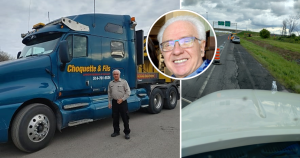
x=14, y=15
x=253, y=15
x=248, y=14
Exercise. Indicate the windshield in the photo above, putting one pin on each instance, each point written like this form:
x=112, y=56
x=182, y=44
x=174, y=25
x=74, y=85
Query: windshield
x=40, y=44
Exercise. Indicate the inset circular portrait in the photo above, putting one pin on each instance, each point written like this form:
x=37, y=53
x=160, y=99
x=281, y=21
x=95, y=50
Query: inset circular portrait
x=181, y=44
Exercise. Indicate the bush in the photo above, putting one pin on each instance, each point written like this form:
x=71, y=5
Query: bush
x=264, y=33
x=5, y=56
x=293, y=35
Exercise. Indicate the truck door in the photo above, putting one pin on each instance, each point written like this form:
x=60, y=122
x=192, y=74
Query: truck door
x=74, y=79
x=100, y=75
x=114, y=56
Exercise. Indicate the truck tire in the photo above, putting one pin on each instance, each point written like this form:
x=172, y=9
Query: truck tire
x=33, y=127
x=156, y=101
x=171, y=98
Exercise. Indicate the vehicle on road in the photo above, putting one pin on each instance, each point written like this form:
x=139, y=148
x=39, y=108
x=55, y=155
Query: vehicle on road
x=236, y=39
x=61, y=76
x=247, y=123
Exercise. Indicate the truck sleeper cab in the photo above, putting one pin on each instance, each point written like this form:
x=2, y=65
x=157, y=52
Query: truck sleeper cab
x=62, y=74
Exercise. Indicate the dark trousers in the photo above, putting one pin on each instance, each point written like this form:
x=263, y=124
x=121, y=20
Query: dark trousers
x=117, y=110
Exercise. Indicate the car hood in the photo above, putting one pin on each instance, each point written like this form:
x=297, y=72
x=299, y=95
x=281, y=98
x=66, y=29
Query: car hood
x=232, y=118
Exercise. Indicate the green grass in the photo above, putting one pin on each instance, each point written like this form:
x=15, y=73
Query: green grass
x=286, y=72
x=241, y=34
x=295, y=47
x=221, y=33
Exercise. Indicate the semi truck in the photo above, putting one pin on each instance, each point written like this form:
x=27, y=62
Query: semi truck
x=61, y=76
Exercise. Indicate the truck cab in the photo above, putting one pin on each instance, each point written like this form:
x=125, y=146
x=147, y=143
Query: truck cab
x=61, y=76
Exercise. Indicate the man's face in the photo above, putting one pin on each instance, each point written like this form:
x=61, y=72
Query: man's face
x=183, y=61
x=116, y=76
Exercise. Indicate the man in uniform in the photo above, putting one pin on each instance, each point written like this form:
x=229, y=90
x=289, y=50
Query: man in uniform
x=118, y=92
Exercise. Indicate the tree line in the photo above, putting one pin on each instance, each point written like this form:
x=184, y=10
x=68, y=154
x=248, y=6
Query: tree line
x=290, y=25
x=5, y=56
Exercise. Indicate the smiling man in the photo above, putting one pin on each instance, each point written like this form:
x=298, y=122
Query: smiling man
x=182, y=43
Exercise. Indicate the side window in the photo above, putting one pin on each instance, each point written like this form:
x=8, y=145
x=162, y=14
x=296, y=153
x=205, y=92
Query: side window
x=117, y=49
x=80, y=46
x=114, y=28
x=77, y=45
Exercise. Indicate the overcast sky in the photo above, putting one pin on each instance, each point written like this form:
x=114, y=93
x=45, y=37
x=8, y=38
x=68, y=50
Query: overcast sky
x=14, y=15
x=251, y=14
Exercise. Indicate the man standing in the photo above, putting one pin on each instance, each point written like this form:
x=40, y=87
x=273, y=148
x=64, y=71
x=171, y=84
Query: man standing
x=118, y=92
x=182, y=43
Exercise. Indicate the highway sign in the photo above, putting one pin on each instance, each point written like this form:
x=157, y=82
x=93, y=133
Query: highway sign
x=227, y=23
x=221, y=23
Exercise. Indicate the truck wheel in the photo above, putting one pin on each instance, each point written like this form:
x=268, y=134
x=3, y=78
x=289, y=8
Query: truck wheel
x=33, y=127
x=156, y=101
x=171, y=98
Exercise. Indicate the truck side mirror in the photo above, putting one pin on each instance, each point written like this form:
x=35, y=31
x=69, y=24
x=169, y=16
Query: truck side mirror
x=140, y=46
x=19, y=53
x=63, y=51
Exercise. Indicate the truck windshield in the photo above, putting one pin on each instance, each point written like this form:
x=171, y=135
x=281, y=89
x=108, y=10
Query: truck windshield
x=40, y=44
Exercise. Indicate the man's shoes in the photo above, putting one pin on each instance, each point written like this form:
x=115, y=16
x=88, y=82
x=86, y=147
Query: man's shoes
x=127, y=136
x=114, y=134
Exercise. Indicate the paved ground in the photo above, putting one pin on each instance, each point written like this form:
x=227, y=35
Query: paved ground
x=153, y=135
x=237, y=70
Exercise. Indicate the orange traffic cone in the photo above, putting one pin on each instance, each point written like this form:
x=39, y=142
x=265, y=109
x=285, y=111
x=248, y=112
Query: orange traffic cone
x=217, y=57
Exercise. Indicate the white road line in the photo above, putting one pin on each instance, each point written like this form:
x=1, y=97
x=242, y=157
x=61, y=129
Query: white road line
x=205, y=82
x=186, y=100
x=225, y=44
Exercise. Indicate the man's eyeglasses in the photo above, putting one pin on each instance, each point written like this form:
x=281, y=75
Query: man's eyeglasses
x=184, y=42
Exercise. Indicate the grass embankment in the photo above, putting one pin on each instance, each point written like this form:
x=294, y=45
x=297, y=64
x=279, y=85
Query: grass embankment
x=286, y=72
x=294, y=47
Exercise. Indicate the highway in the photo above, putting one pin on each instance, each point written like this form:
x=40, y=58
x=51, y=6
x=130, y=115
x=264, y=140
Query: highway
x=237, y=70
x=152, y=135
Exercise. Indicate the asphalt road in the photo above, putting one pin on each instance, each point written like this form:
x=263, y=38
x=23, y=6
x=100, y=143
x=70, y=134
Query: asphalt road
x=237, y=70
x=152, y=135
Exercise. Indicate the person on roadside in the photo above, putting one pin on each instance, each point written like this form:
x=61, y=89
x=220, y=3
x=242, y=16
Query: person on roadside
x=182, y=43
x=118, y=92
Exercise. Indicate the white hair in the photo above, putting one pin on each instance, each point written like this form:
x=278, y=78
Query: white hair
x=194, y=21
x=117, y=71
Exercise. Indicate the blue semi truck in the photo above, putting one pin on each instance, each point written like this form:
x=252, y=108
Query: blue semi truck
x=61, y=76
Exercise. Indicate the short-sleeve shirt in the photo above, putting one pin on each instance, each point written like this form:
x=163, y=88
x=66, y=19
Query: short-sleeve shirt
x=118, y=90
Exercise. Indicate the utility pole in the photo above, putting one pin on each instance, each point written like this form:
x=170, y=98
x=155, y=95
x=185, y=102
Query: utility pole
x=48, y=18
